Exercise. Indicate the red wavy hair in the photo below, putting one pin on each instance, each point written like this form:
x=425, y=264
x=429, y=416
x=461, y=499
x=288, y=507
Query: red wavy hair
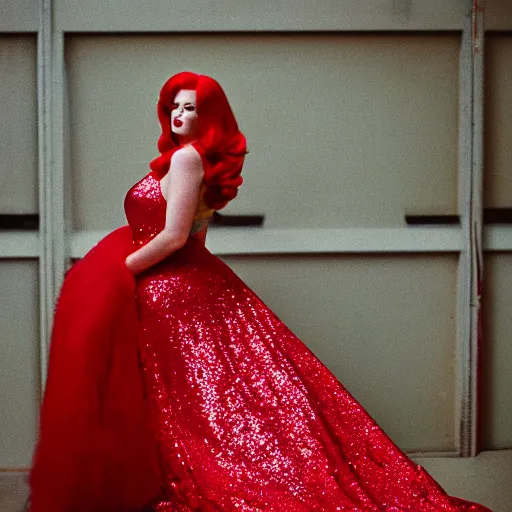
x=222, y=146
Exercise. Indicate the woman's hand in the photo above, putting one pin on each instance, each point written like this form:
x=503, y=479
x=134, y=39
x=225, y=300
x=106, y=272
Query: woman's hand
x=181, y=191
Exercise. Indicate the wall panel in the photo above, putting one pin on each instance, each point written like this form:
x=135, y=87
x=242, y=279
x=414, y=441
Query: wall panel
x=385, y=325
x=19, y=362
x=19, y=16
x=18, y=130
x=498, y=15
x=496, y=414
x=343, y=131
x=498, y=120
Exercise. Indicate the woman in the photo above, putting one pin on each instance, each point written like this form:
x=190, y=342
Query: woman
x=230, y=411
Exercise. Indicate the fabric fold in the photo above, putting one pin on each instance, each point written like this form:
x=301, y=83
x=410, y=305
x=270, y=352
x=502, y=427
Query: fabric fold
x=96, y=451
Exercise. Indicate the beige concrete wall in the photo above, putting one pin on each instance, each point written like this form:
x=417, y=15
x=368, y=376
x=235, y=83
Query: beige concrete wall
x=268, y=15
x=18, y=130
x=19, y=362
x=498, y=120
x=342, y=130
x=498, y=15
x=496, y=413
x=345, y=130
x=19, y=15
x=385, y=325
x=19, y=310
x=364, y=134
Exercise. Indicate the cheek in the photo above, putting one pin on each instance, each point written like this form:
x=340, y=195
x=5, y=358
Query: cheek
x=191, y=123
x=190, y=117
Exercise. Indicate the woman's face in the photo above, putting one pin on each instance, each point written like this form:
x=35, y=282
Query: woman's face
x=184, y=118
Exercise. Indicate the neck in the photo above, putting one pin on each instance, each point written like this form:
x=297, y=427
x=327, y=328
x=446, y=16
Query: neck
x=186, y=141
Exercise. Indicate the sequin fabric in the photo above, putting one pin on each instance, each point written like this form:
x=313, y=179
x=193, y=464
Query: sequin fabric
x=246, y=417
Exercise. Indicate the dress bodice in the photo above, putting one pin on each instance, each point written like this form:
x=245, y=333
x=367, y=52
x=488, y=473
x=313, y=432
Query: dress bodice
x=145, y=209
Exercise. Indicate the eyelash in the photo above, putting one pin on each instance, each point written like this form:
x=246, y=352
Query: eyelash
x=189, y=108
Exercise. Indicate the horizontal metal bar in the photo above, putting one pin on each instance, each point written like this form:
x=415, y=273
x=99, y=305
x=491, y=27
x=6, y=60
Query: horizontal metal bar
x=347, y=240
x=19, y=244
x=225, y=241
x=497, y=238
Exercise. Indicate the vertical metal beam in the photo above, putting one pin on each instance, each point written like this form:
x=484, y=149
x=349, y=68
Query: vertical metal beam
x=51, y=99
x=60, y=187
x=44, y=100
x=471, y=212
x=476, y=215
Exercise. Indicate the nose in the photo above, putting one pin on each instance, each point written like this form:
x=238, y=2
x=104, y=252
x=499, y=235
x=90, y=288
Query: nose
x=177, y=112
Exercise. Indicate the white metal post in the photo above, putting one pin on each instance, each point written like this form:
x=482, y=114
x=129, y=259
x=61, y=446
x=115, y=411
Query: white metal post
x=471, y=212
x=51, y=99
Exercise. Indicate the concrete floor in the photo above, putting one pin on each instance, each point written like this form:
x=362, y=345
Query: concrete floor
x=486, y=479
x=13, y=491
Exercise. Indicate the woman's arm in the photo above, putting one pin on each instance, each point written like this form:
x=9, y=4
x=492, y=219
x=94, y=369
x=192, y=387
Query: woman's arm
x=182, y=194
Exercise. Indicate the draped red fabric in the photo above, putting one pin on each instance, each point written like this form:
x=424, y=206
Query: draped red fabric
x=95, y=449
x=222, y=146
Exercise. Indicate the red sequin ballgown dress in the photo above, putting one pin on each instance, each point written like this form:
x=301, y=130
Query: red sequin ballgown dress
x=246, y=417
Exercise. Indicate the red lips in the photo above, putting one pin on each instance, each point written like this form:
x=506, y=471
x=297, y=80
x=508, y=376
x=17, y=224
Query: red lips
x=177, y=122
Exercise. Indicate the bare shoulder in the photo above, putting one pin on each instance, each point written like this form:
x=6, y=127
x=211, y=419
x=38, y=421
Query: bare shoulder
x=187, y=159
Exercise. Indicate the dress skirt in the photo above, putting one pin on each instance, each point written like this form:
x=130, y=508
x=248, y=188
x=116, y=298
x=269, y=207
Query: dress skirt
x=247, y=418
